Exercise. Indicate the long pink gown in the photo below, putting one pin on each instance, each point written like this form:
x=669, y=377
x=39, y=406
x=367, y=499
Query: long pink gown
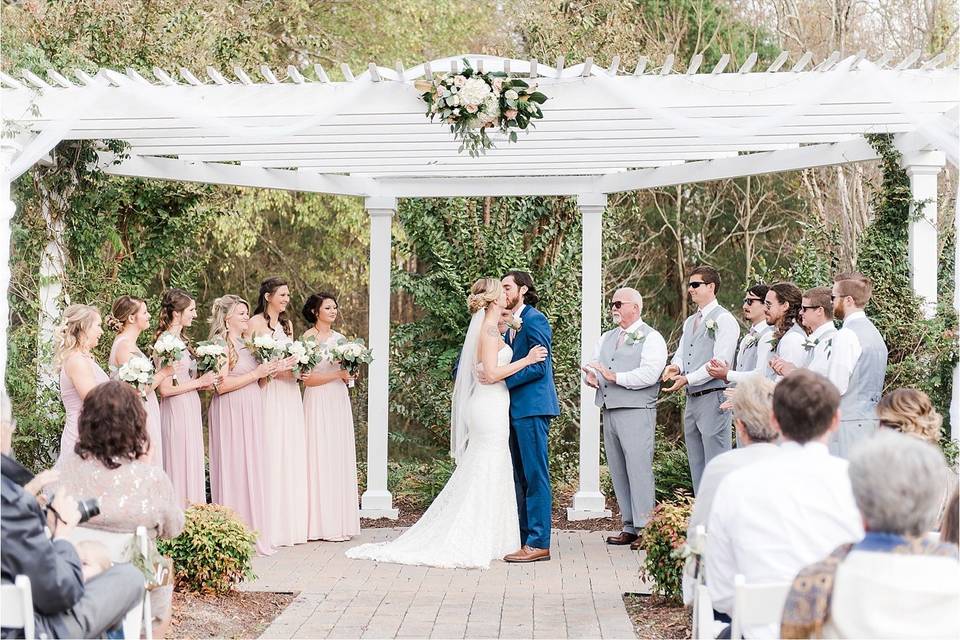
x=236, y=451
x=181, y=423
x=331, y=459
x=285, y=458
x=150, y=403
x=72, y=404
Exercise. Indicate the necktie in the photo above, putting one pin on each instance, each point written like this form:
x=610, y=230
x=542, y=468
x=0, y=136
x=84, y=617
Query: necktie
x=622, y=338
x=696, y=321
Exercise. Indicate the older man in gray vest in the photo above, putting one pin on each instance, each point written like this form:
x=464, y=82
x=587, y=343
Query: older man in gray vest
x=626, y=372
x=857, y=363
x=710, y=333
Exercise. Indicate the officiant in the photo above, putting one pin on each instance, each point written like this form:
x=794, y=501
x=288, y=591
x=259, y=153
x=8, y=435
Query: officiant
x=625, y=371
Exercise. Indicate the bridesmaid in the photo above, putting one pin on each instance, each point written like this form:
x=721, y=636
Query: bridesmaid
x=78, y=334
x=236, y=422
x=284, y=441
x=331, y=445
x=129, y=318
x=181, y=421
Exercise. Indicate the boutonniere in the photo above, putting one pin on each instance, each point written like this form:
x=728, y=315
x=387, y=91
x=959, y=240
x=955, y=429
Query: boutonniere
x=515, y=323
x=635, y=336
x=775, y=343
x=749, y=340
x=711, y=326
x=809, y=343
x=829, y=346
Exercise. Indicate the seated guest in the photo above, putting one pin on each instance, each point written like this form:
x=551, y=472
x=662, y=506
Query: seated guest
x=950, y=526
x=111, y=465
x=774, y=517
x=895, y=583
x=69, y=600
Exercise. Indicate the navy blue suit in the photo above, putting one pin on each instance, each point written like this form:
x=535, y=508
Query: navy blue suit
x=533, y=402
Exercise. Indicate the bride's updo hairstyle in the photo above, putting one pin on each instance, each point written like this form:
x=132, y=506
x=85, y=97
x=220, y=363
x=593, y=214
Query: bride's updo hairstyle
x=483, y=292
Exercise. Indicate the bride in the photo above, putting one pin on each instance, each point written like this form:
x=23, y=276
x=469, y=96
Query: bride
x=474, y=519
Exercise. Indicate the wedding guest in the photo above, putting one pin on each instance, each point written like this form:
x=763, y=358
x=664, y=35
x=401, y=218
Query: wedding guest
x=236, y=422
x=754, y=349
x=775, y=516
x=76, y=337
x=331, y=444
x=858, y=362
x=782, y=309
x=710, y=333
x=181, y=419
x=950, y=526
x=129, y=318
x=111, y=466
x=625, y=371
x=284, y=438
x=895, y=582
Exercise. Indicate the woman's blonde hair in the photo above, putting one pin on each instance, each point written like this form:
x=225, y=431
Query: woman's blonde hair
x=482, y=293
x=221, y=310
x=911, y=412
x=77, y=320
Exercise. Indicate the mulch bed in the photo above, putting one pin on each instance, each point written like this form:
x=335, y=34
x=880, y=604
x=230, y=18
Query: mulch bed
x=238, y=614
x=656, y=617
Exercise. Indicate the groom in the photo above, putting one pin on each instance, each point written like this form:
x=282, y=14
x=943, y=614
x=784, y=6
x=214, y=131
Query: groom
x=533, y=402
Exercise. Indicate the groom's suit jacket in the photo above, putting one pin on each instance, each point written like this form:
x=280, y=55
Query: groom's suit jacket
x=532, y=392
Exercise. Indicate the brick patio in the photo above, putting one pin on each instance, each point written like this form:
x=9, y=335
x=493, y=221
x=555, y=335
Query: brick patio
x=575, y=595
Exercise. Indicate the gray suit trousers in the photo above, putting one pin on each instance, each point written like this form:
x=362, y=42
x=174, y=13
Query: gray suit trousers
x=628, y=438
x=106, y=600
x=706, y=431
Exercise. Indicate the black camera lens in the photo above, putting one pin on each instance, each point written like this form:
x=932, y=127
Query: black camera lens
x=89, y=508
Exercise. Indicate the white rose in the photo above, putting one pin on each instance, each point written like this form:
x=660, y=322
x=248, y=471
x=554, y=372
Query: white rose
x=459, y=81
x=143, y=378
x=474, y=91
x=497, y=84
x=511, y=94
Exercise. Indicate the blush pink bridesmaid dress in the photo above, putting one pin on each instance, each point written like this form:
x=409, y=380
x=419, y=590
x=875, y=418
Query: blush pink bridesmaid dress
x=181, y=425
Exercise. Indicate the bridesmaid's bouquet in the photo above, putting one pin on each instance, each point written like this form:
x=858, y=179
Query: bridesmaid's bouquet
x=308, y=354
x=211, y=356
x=168, y=350
x=351, y=354
x=138, y=373
x=266, y=349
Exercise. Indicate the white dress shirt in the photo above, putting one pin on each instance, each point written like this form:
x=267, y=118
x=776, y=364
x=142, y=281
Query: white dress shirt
x=790, y=348
x=653, y=357
x=844, y=353
x=818, y=357
x=764, y=342
x=724, y=346
x=774, y=517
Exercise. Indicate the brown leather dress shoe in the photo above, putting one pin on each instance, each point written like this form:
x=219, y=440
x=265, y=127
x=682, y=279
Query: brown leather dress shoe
x=528, y=554
x=623, y=538
x=636, y=545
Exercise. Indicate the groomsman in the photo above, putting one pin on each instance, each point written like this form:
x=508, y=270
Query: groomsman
x=816, y=316
x=754, y=349
x=710, y=333
x=625, y=371
x=858, y=363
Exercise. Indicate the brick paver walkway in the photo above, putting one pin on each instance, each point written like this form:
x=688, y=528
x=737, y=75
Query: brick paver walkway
x=577, y=594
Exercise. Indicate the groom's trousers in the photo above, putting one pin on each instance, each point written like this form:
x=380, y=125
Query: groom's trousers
x=531, y=477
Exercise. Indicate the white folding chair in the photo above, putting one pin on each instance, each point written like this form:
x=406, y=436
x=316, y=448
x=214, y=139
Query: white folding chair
x=756, y=605
x=118, y=547
x=16, y=606
x=697, y=544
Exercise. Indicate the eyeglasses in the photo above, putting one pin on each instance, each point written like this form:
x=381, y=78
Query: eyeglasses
x=695, y=284
x=750, y=301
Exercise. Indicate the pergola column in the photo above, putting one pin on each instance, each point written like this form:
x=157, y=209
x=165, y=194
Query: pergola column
x=955, y=399
x=8, y=149
x=923, y=169
x=589, y=502
x=377, y=501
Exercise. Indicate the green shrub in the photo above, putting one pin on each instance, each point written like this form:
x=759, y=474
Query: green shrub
x=664, y=538
x=421, y=481
x=671, y=469
x=213, y=552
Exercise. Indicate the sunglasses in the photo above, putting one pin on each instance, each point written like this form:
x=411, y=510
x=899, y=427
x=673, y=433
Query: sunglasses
x=695, y=285
x=750, y=301
x=616, y=304
x=810, y=307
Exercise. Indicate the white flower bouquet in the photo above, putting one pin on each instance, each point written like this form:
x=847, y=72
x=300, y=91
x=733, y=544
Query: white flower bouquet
x=472, y=102
x=138, y=373
x=307, y=353
x=168, y=350
x=351, y=354
x=211, y=356
x=266, y=349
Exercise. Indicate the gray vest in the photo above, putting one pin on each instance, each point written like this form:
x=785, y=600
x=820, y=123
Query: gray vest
x=696, y=348
x=747, y=356
x=866, y=381
x=626, y=358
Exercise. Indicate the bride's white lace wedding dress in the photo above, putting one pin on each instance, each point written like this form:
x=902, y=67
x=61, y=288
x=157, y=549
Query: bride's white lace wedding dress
x=474, y=519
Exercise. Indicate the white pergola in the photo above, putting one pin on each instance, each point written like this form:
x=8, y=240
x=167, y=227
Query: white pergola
x=605, y=130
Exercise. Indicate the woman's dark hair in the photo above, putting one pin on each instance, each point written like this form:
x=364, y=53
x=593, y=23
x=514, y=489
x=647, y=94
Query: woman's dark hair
x=123, y=308
x=950, y=527
x=789, y=293
x=523, y=279
x=269, y=287
x=759, y=290
x=173, y=301
x=313, y=304
x=113, y=425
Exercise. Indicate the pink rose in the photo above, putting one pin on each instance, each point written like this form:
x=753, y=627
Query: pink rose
x=471, y=108
x=510, y=114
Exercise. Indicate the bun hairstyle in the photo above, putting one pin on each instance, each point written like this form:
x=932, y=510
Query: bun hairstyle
x=313, y=304
x=483, y=292
x=123, y=308
x=789, y=293
x=77, y=320
x=173, y=301
x=221, y=310
x=269, y=287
